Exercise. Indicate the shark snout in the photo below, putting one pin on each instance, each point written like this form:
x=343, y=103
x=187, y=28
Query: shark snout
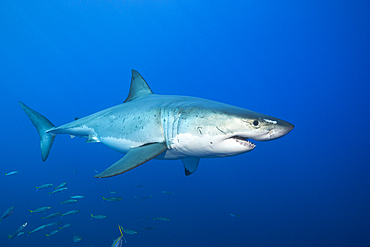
x=282, y=128
x=287, y=126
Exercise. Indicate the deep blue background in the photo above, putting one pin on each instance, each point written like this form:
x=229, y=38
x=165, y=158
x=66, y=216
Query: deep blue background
x=306, y=62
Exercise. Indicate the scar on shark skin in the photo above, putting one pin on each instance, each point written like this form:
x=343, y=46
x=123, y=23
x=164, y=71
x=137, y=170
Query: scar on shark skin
x=200, y=130
x=220, y=130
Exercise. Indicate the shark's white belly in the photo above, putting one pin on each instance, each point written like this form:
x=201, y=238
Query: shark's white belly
x=181, y=146
x=119, y=144
x=206, y=146
x=187, y=145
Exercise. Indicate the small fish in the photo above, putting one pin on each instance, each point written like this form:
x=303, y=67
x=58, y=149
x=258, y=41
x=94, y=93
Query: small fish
x=69, y=201
x=234, y=215
x=57, y=190
x=162, y=218
x=62, y=185
x=20, y=234
x=7, y=212
x=147, y=228
x=138, y=186
x=129, y=231
x=112, y=192
x=52, y=233
x=54, y=224
x=65, y=226
x=11, y=173
x=38, y=229
x=77, y=239
x=18, y=231
x=40, y=210
x=96, y=171
x=167, y=192
x=146, y=197
x=51, y=215
x=112, y=199
x=141, y=219
x=77, y=197
x=98, y=217
x=43, y=186
x=71, y=212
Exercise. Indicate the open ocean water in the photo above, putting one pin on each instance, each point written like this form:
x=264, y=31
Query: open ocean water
x=306, y=62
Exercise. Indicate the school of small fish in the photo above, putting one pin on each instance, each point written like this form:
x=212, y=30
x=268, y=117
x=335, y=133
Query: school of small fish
x=57, y=226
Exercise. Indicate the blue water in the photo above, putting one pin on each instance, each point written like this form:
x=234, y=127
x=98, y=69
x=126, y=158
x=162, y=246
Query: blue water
x=306, y=62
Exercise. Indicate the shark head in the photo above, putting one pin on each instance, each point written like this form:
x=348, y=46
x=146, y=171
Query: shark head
x=261, y=127
x=212, y=129
x=244, y=127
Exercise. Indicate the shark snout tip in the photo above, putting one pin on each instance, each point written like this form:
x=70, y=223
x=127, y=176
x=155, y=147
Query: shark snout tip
x=290, y=127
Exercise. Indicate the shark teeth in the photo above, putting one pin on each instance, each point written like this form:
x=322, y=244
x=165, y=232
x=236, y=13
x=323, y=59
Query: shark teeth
x=244, y=141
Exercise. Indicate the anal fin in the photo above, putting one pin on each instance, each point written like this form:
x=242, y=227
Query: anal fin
x=134, y=157
x=91, y=139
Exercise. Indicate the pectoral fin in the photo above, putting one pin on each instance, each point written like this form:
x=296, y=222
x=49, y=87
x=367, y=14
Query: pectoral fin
x=133, y=158
x=190, y=165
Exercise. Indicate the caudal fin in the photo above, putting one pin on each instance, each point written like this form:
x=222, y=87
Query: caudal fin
x=42, y=125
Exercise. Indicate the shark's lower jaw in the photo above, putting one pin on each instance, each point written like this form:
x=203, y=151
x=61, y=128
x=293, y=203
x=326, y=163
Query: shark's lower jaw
x=244, y=141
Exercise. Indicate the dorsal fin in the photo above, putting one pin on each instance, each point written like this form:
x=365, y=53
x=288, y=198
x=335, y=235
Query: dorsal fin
x=138, y=87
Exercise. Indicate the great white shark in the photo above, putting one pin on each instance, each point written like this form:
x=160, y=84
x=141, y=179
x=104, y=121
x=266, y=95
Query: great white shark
x=168, y=127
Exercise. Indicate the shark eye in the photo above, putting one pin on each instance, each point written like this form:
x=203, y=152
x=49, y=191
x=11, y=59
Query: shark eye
x=255, y=123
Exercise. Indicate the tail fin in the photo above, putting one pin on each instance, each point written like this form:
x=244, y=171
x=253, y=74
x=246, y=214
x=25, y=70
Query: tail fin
x=121, y=229
x=42, y=125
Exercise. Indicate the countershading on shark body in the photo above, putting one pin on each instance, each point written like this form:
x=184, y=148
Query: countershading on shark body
x=149, y=125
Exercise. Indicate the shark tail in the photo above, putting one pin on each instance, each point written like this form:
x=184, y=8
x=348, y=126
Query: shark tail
x=42, y=125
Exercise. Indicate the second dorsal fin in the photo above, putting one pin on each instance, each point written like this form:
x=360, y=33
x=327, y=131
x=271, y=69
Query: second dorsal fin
x=138, y=87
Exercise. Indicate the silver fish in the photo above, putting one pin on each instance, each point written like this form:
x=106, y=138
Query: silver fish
x=7, y=212
x=40, y=210
x=17, y=231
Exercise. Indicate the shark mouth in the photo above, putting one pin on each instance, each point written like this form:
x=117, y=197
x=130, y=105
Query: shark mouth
x=244, y=141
